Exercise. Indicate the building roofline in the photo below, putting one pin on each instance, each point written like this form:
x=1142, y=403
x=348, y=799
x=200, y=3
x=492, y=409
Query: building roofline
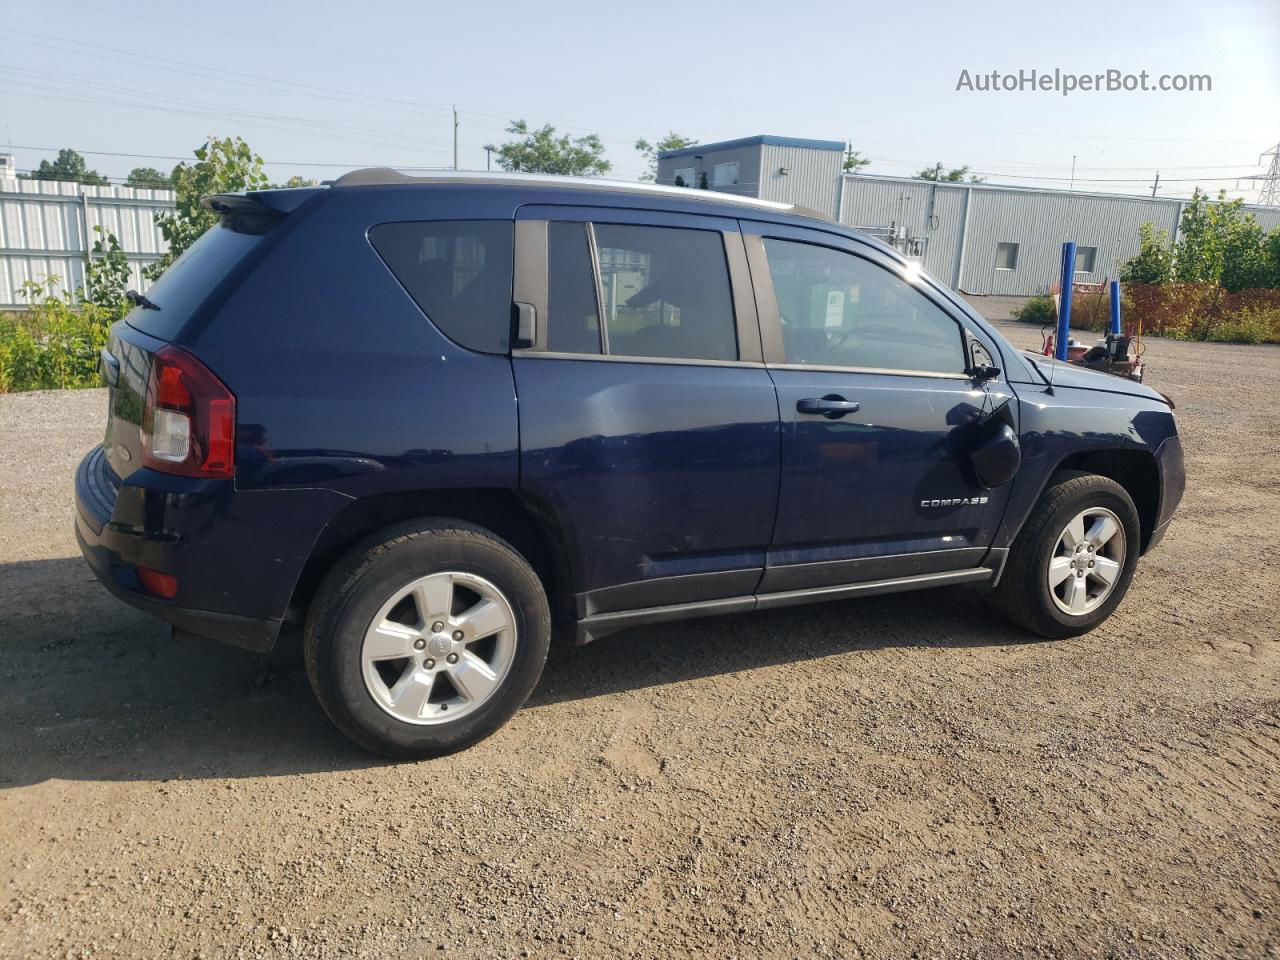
x=387, y=177
x=1022, y=188
x=763, y=138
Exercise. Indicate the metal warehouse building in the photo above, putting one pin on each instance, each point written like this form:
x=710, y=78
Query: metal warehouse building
x=979, y=238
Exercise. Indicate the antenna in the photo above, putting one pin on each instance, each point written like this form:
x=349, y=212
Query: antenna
x=1270, y=189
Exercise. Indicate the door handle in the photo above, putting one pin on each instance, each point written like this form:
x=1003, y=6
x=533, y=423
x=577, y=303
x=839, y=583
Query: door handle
x=832, y=406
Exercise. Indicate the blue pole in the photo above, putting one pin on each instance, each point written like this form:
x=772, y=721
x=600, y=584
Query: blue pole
x=1064, y=308
x=1115, y=307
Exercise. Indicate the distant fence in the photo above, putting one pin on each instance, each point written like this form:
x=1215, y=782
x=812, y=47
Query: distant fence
x=46, y=229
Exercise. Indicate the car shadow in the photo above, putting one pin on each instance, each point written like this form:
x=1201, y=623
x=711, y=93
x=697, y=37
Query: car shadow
x=95, y=690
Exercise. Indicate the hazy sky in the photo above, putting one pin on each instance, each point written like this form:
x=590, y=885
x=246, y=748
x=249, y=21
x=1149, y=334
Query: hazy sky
x=354, y=84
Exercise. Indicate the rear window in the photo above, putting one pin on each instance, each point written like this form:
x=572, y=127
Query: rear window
x=191, y=278
x=458, y=272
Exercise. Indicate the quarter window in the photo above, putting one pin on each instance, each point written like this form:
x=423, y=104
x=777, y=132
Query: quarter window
x=1006, y=256
x=838, y=309
x=458, y=272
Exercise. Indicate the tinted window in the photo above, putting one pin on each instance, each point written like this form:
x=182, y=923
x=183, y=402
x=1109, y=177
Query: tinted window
x=458, y=272
x=191, y=278
x=838, y=309
x=573, y=326
x=665, y=293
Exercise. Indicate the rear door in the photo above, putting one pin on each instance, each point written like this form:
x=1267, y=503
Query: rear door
x=877, y=415
x=648, y=422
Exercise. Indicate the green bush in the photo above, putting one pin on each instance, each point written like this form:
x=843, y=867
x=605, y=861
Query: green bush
x=1038, y=310
x=56, y=344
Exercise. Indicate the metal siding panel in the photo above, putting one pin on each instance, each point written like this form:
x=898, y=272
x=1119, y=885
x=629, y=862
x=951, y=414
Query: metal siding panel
x=43, y=215
x=748, y=159
x=811, y=179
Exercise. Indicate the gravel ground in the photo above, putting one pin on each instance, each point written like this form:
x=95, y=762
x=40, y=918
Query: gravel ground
x=893, y=777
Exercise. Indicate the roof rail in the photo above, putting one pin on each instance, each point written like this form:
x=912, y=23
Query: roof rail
x=385, y=176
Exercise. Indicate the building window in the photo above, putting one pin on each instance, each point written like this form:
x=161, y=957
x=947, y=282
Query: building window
x=685, y=177
x=1085, y=258
x=724, y=174
x=1006, y=256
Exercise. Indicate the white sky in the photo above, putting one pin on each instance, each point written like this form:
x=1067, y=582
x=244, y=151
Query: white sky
x=350, y=84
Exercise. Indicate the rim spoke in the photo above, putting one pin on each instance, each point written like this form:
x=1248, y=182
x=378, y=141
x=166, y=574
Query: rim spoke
x=472, y=677
x=1075, y=595
x=412, y=691
x=1106, y=570
x=389, y=641
x=1073, y=536
x=1102, y=530
x=1059, y=570
x=483, y=620
x=433, y=597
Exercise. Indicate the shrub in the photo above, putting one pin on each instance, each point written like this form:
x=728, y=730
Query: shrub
x=1038, y=310
x=56, y=345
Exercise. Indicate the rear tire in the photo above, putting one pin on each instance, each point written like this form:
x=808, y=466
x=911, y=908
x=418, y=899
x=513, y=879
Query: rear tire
x=1073, y=562
x=406, y=680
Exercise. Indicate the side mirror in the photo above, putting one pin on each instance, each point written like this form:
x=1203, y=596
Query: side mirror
x=997, y=456
x=983, y=372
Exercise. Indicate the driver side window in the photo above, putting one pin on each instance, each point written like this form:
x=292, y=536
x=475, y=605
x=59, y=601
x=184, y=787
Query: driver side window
x=840, y=310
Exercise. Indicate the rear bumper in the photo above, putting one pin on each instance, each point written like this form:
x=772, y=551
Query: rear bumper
x=236, y=556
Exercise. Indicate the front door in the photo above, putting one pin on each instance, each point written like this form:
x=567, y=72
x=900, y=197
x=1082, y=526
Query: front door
x=877, y=415
x=648, y=422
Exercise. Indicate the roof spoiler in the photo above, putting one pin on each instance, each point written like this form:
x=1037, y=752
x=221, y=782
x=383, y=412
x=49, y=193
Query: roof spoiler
x=258, y=202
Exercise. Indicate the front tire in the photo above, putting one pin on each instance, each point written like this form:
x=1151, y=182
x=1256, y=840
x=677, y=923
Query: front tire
x=1073, y=562
x=427, y=638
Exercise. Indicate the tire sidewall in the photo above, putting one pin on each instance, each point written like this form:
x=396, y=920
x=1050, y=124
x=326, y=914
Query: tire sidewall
x=1102, y=494
x=339, y=653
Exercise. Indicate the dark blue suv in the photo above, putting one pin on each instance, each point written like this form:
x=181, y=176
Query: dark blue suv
x=427, y=421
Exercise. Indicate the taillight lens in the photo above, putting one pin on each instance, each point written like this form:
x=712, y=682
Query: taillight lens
x=189, y=423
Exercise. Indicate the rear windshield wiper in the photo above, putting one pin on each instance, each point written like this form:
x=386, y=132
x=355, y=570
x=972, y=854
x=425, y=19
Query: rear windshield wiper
x=138, y=299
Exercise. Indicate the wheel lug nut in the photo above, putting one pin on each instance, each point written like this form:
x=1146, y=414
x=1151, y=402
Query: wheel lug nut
x=452, y=658
x=437, y=627
x=1091, y=563
x=457, y=635
x=419, y=644
x=429, y=664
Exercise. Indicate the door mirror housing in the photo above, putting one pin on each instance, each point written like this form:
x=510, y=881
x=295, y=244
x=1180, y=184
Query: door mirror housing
x=981, y=373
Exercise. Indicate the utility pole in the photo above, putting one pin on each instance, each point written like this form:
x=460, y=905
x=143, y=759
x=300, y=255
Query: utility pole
x=1156, y=186
x=488, y=158
x=455, y=137
x=1072, y=187
x=937, y=172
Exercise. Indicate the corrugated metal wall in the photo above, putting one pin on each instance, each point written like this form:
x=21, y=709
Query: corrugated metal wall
x=43, y=231
x=810, y=180
x=747, y=158
x=962, y=244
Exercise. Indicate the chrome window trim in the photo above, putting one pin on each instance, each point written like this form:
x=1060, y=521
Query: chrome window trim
x=886, y=371
x=619, y=358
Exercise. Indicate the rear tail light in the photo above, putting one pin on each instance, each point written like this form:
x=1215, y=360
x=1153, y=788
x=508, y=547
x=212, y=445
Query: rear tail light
x=189, y=423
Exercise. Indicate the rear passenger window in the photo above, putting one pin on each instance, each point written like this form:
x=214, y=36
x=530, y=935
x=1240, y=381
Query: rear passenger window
x=663, y=291
x=840, y=310
x=458, y=272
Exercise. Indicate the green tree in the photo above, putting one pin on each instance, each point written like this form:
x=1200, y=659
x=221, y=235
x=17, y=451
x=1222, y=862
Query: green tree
x=107, y=275
x=69, y=166
x=297, y=181
x=1154, y=260
x=853, y=160
x=221, y=166
x=650, y=151
x=149, y=178
x=954, y=175
x=541, y=151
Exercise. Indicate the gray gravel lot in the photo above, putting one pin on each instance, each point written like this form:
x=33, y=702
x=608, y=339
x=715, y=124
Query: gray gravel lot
x=893, y=777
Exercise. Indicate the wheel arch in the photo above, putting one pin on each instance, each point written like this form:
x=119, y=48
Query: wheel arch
x=1135, y=470
x=527, y=524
